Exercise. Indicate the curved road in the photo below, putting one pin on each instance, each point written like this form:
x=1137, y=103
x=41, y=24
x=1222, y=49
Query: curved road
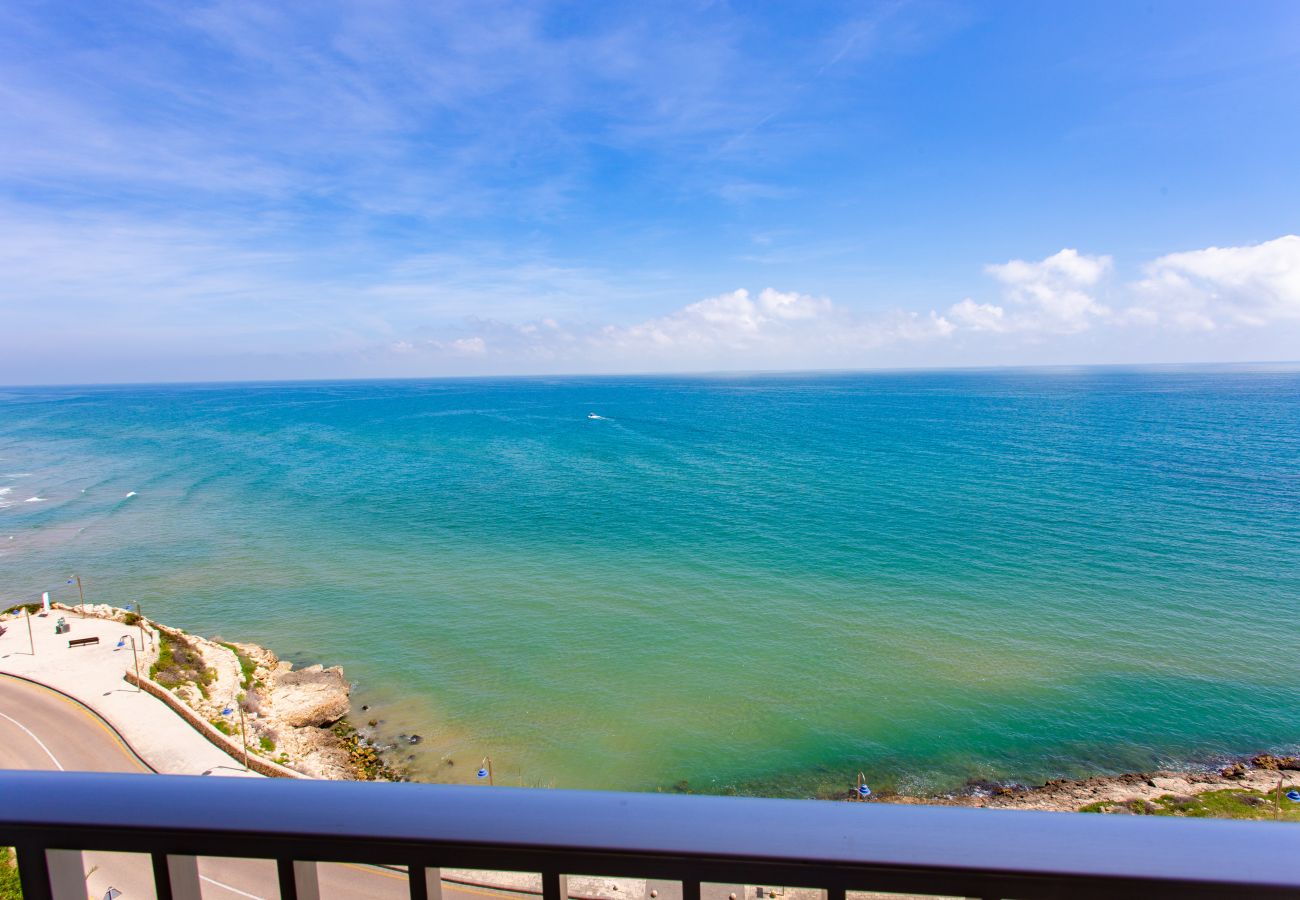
x=41, y=728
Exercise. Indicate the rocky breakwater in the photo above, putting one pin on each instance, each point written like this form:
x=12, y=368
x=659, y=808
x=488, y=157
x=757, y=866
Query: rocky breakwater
x=294, y=717
x=1248, y=781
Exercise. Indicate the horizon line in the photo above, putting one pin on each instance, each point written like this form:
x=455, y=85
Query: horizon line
x=700, y=374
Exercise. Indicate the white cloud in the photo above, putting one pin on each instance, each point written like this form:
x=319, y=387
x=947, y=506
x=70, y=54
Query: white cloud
x=1054, y=295
x=474, y=346
x=979, y=316
x=1204, y=289
x=769, y=330
x=732, y=320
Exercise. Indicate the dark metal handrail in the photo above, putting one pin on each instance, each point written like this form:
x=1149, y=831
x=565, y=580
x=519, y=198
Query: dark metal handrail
x=692, y=839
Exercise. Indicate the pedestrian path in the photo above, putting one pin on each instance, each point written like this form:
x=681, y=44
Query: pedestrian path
x=93, y=674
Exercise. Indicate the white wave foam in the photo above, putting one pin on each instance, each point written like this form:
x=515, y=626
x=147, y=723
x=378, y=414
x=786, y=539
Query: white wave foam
x=130, y=495
x=34, y=500
x=4, y=491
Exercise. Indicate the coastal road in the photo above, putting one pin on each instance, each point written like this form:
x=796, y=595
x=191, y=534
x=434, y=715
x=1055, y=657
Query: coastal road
x=43, y=729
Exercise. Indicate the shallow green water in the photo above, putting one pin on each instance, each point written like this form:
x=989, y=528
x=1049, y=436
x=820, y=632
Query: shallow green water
x=763, y=584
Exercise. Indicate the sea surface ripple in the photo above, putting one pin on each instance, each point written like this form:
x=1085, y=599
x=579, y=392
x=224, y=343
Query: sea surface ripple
x=757, y=584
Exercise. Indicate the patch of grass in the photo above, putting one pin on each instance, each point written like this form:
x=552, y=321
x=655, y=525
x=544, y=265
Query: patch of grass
x=222, y=726
x=131, y=619
x=10, y=888
x=32, y=609
x=180, y=662
x=268, y=745
x=1230, y=803
x=246, y=666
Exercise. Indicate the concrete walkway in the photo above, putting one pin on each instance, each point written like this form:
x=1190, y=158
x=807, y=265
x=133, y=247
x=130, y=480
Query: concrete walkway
x=94, y=676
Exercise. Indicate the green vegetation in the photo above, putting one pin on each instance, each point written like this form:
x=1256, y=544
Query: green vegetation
x=131, y=619
x=1231, y=803
x=268, y=745
x=179, y=662
x=222, y=726
x=10, y=889
x=246, y=666
x=32, y=609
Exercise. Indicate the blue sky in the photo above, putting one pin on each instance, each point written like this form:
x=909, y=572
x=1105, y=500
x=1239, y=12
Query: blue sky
x=259, y=190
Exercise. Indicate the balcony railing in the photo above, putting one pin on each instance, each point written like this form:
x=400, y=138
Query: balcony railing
x=52, y=817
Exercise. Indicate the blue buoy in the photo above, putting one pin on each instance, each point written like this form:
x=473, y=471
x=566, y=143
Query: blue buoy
x=1293, y=796
x=864, y=791
x=482, y=773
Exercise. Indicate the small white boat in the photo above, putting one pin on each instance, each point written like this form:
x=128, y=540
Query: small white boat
x=594, y=416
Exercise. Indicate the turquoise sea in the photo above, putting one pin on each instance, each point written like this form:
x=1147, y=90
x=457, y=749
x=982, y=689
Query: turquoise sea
x=758, y=583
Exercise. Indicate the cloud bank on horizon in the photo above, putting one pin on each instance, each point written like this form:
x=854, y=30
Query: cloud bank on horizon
x=1194, y=291
x=244, y=189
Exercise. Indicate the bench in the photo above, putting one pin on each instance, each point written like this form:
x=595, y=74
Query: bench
x=83, y=642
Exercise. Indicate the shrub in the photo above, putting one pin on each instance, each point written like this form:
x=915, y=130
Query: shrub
x=179, y=662
x=32, y=609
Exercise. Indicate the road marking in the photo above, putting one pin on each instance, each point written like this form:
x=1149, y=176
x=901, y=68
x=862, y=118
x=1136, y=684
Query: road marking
x=484, y=892
x=376, y=870
x=99, y=723
x=233, y=890
x=452, y=885
x=36, y=739
x=86, y=712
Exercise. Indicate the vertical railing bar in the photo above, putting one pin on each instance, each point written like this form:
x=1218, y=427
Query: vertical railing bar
x=288, y=884
x=433, y=883
x=33, y=872
x=691, y=890
x=415, y=882
x=66, y=872
x=183, y=876
x=306, y=879
x=162, y=880
x=835, y=893
x=554, y=886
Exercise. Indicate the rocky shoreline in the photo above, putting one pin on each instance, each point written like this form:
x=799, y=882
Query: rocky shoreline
x=1127, y=792
x=299, y=719
x=296, y=718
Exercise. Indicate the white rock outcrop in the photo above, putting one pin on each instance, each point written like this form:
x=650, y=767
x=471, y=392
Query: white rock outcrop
x=314, y=696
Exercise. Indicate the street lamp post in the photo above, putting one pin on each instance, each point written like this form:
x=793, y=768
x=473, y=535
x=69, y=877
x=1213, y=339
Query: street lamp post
x=121, y=642
x=139, y=613
x=81, y=610
x=485, y=769
x=31, y=642
x=243, y=729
